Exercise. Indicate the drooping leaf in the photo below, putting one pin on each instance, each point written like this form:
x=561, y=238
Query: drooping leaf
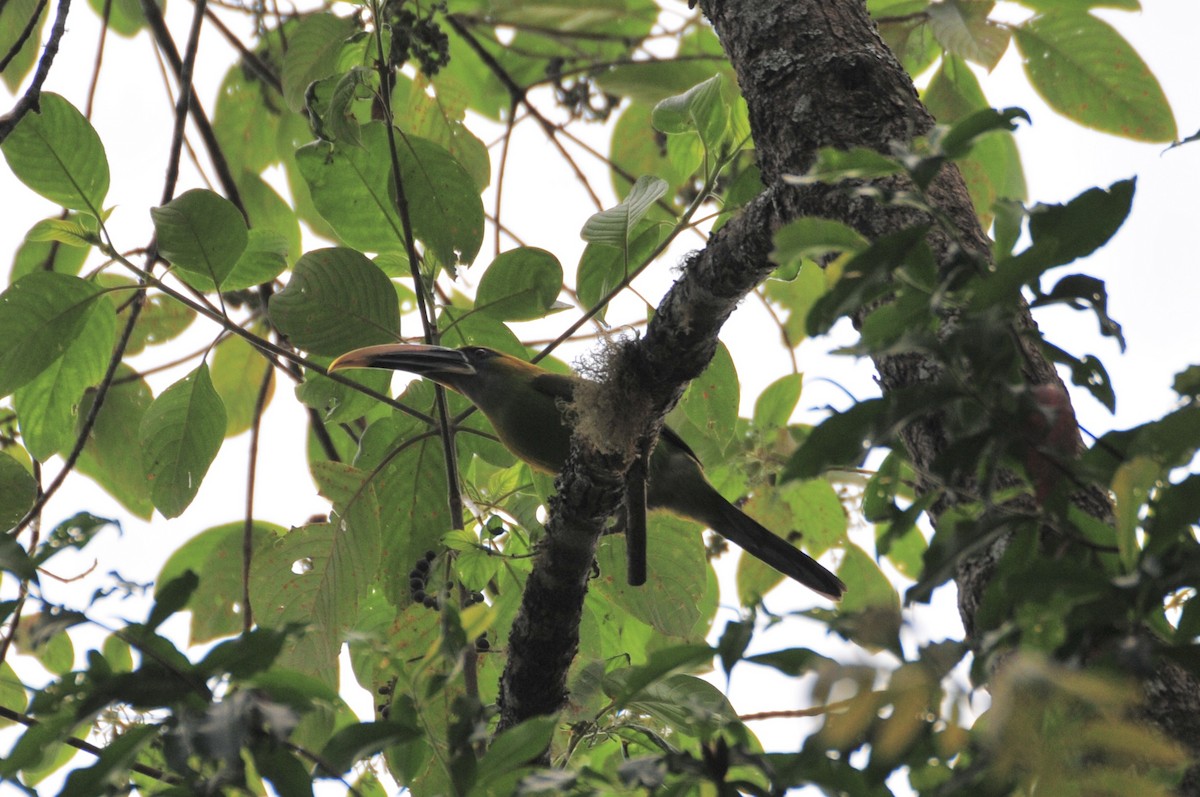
x=774, y=406
x=38, y=255
x=354, y=189
x=602, y=268
x=711, y=399
x=312, y=53
x=516, y=747
x=964, y=29
x=993, y=168
x=112, y=456
x=670, y=600
x=317, y=574
x=215, y=554
x=41, y=315
x=237, y=372
x=335, y=301
x=202, y=234
x=1061, y=234
x=362, y=740
x=700, y=109
x=48, y=405
x=814, y=238
x=907, y=32
x=520, y=285
x=18, y=491
x=1088, y=72
x=56, y=152
x=180, y=435
x=615, y=226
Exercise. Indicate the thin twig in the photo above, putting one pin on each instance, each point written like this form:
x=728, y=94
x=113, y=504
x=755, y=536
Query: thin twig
x=88, y=747
x=260, y=404
x=23, y=36
x=29, y=100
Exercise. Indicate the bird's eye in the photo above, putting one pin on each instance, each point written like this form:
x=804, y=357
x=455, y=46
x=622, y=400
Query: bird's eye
x=479, y=351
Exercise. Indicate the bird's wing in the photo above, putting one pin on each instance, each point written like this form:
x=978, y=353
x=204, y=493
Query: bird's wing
x=672, y=437
x=556, y=386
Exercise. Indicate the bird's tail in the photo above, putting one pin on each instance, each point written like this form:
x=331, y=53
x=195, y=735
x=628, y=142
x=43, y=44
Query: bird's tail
x=742, y=530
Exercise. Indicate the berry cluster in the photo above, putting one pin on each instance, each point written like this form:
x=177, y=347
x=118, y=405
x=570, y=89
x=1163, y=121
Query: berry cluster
x=418, y=577
x=418, y=582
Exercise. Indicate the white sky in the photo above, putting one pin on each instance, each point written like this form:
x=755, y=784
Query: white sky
x=1150, y=269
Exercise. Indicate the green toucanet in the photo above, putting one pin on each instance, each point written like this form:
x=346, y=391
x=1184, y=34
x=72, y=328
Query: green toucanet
x=525, y=406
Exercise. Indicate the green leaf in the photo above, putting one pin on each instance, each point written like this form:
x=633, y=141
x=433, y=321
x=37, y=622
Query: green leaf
x=124, y=17
x=1080, y=5
x=336, y=300
x=64, y=231
x=672, y=597
x=48, y=405
x=317, y=575
x=46, y=256
x=112, y=764
x=237, y=372
x=652, y=81
x=872, y=590
x=1131, y=487
x=354, y=191
x=857, y=163
x=1061, y=234
x=602, y=268
x=711, y=400
x=362, y=740
x=112, y=456
x=269, y=214
x=842, y=439
x=625, y=684
x=215, y=554
x=75, y=532
x=906, y=30
x=520, y=285
x=796, y=298
x=201, y=233
x=613, y=227
x=440, y=119
x=1086, y=71
x=700, y=109
x=58, y=154
x=312, y=53
x=992, y=168
x=13, y=17
x=687, y=704
x=443, y=201
x=516, y=747
x=41, y=315
x=963, y=28
x=18, y=492
x=774, y=406
x=12, y=556
x=180, y=435
x=339, y=403
x=1077, y=290
x=814, y=238
x=171, y=597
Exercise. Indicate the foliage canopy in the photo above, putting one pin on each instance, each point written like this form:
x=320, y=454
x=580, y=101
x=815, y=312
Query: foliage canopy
x=349, y=172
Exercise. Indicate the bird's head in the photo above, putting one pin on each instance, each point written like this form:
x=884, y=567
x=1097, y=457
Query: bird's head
x=466, y=370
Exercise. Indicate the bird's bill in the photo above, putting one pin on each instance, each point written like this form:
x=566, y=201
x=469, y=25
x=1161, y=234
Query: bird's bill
x=430, y=361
